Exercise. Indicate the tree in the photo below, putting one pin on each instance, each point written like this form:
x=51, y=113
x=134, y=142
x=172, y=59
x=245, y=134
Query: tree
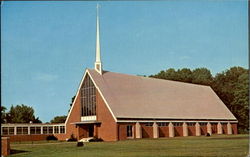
x=3, y=114
x=21, y=114
x=232, y=86
x=202, y=76
x=59, y=119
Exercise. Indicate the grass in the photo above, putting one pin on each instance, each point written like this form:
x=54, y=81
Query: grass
x=216, y=145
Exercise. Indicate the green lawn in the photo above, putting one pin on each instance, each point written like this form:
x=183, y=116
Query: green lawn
x=217, y=145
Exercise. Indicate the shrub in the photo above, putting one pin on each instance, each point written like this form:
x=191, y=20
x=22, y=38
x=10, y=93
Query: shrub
x=72, y=138
x=51, y=137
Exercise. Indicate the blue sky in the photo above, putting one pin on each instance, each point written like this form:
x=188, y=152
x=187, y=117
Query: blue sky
x=46, y=46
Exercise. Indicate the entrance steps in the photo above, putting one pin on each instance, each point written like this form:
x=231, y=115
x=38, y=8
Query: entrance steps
x=85, y=139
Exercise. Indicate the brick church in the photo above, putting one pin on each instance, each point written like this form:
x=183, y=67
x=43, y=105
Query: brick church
x=114, y=106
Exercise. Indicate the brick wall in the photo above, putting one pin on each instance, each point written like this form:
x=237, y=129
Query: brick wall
x=178, y=131
x=108, y=129
x=234, y=128
x=5, y=146
x=203, y=130
x=224, y=128
x=75, y=116
x=191, y=130
x=147, y=131
x=163, y=131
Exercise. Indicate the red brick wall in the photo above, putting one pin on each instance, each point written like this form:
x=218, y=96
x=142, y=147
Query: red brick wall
x=75, y=116
x=191, y=130
x=178, y=131
x=18, y=138
x=108, y=128
x=214, y=128
x=5, y=146
x=203, y=130
x=234, y=128
x=224, y=128
x=163, y=131
x=147, y=131
x=122, y=131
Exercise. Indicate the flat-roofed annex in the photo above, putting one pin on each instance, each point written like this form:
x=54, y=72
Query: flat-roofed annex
x=131, y=96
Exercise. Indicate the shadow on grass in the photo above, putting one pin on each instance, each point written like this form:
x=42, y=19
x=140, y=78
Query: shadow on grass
x=15, y=151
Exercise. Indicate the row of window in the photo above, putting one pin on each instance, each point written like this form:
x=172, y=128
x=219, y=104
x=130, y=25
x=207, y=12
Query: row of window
x=176, y=123
x=33, y=130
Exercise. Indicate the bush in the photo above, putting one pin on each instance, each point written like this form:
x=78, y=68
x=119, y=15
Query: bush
x=95, y=139
x=79, y=144
x=72, y=138
x=51, y=137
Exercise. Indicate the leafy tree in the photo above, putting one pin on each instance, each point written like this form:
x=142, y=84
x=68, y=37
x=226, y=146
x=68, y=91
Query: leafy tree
x=184, y=75
x=202, y=76
x=232, y=86
x=58, y=119
x=3, y=114
x=21, y=114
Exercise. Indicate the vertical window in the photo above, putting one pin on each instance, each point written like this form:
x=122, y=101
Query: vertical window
x=45, y=130
x=11, y=130
x=32, y=130
x=129, y=131
x=50, y=129
x=19, y=130
x=25, y=130
x=62, y=129
x=5, y=131
x=88, y=97
x=56, y=129
x=38, y=130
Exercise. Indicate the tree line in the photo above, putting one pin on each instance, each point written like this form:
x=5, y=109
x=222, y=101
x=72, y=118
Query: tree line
x=24, y=114
x=231, y=85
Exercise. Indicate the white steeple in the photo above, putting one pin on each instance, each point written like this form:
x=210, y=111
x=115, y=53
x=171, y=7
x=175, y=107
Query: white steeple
x=98, y=63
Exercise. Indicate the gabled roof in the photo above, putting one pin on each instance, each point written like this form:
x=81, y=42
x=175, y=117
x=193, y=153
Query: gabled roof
x=131, y=96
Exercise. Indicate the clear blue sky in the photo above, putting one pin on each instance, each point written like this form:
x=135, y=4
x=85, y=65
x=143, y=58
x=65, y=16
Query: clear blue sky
x=46, y=46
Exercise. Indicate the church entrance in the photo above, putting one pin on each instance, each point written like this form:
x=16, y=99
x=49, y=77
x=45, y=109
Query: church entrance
x=91, y=130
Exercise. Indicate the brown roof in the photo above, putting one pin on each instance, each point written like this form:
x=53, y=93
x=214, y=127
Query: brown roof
x=131, y=96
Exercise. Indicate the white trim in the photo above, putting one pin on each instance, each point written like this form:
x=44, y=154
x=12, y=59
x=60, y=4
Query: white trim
x=73, y=104
x=200, y=121
x=102, y=97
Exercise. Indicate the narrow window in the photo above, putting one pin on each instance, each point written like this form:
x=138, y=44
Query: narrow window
x=62, y=129
x=25, y=130
x=11, y=130
x=129, y=131
x=19, y=130
x=88, y=97
x=5, y=131
x=45, y=130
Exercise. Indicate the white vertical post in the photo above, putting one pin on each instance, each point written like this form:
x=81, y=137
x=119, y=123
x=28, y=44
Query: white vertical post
x=219, y=128
x=209, y=128
x=53, y=129
x=59, y=129
x=197, y=129
x=185, y=129
x=171, y=129
x=138, y=132
x=229, y=128
x=28, y=130
x=15, y=130
x=155, y=130
x=41, y=129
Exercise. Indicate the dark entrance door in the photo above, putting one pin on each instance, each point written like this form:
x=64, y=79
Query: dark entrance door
x=91, y=130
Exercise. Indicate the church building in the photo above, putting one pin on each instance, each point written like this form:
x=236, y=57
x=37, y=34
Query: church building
x=114, y=106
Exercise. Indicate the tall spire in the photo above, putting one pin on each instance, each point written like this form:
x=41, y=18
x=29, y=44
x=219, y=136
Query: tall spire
x=98, y=63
